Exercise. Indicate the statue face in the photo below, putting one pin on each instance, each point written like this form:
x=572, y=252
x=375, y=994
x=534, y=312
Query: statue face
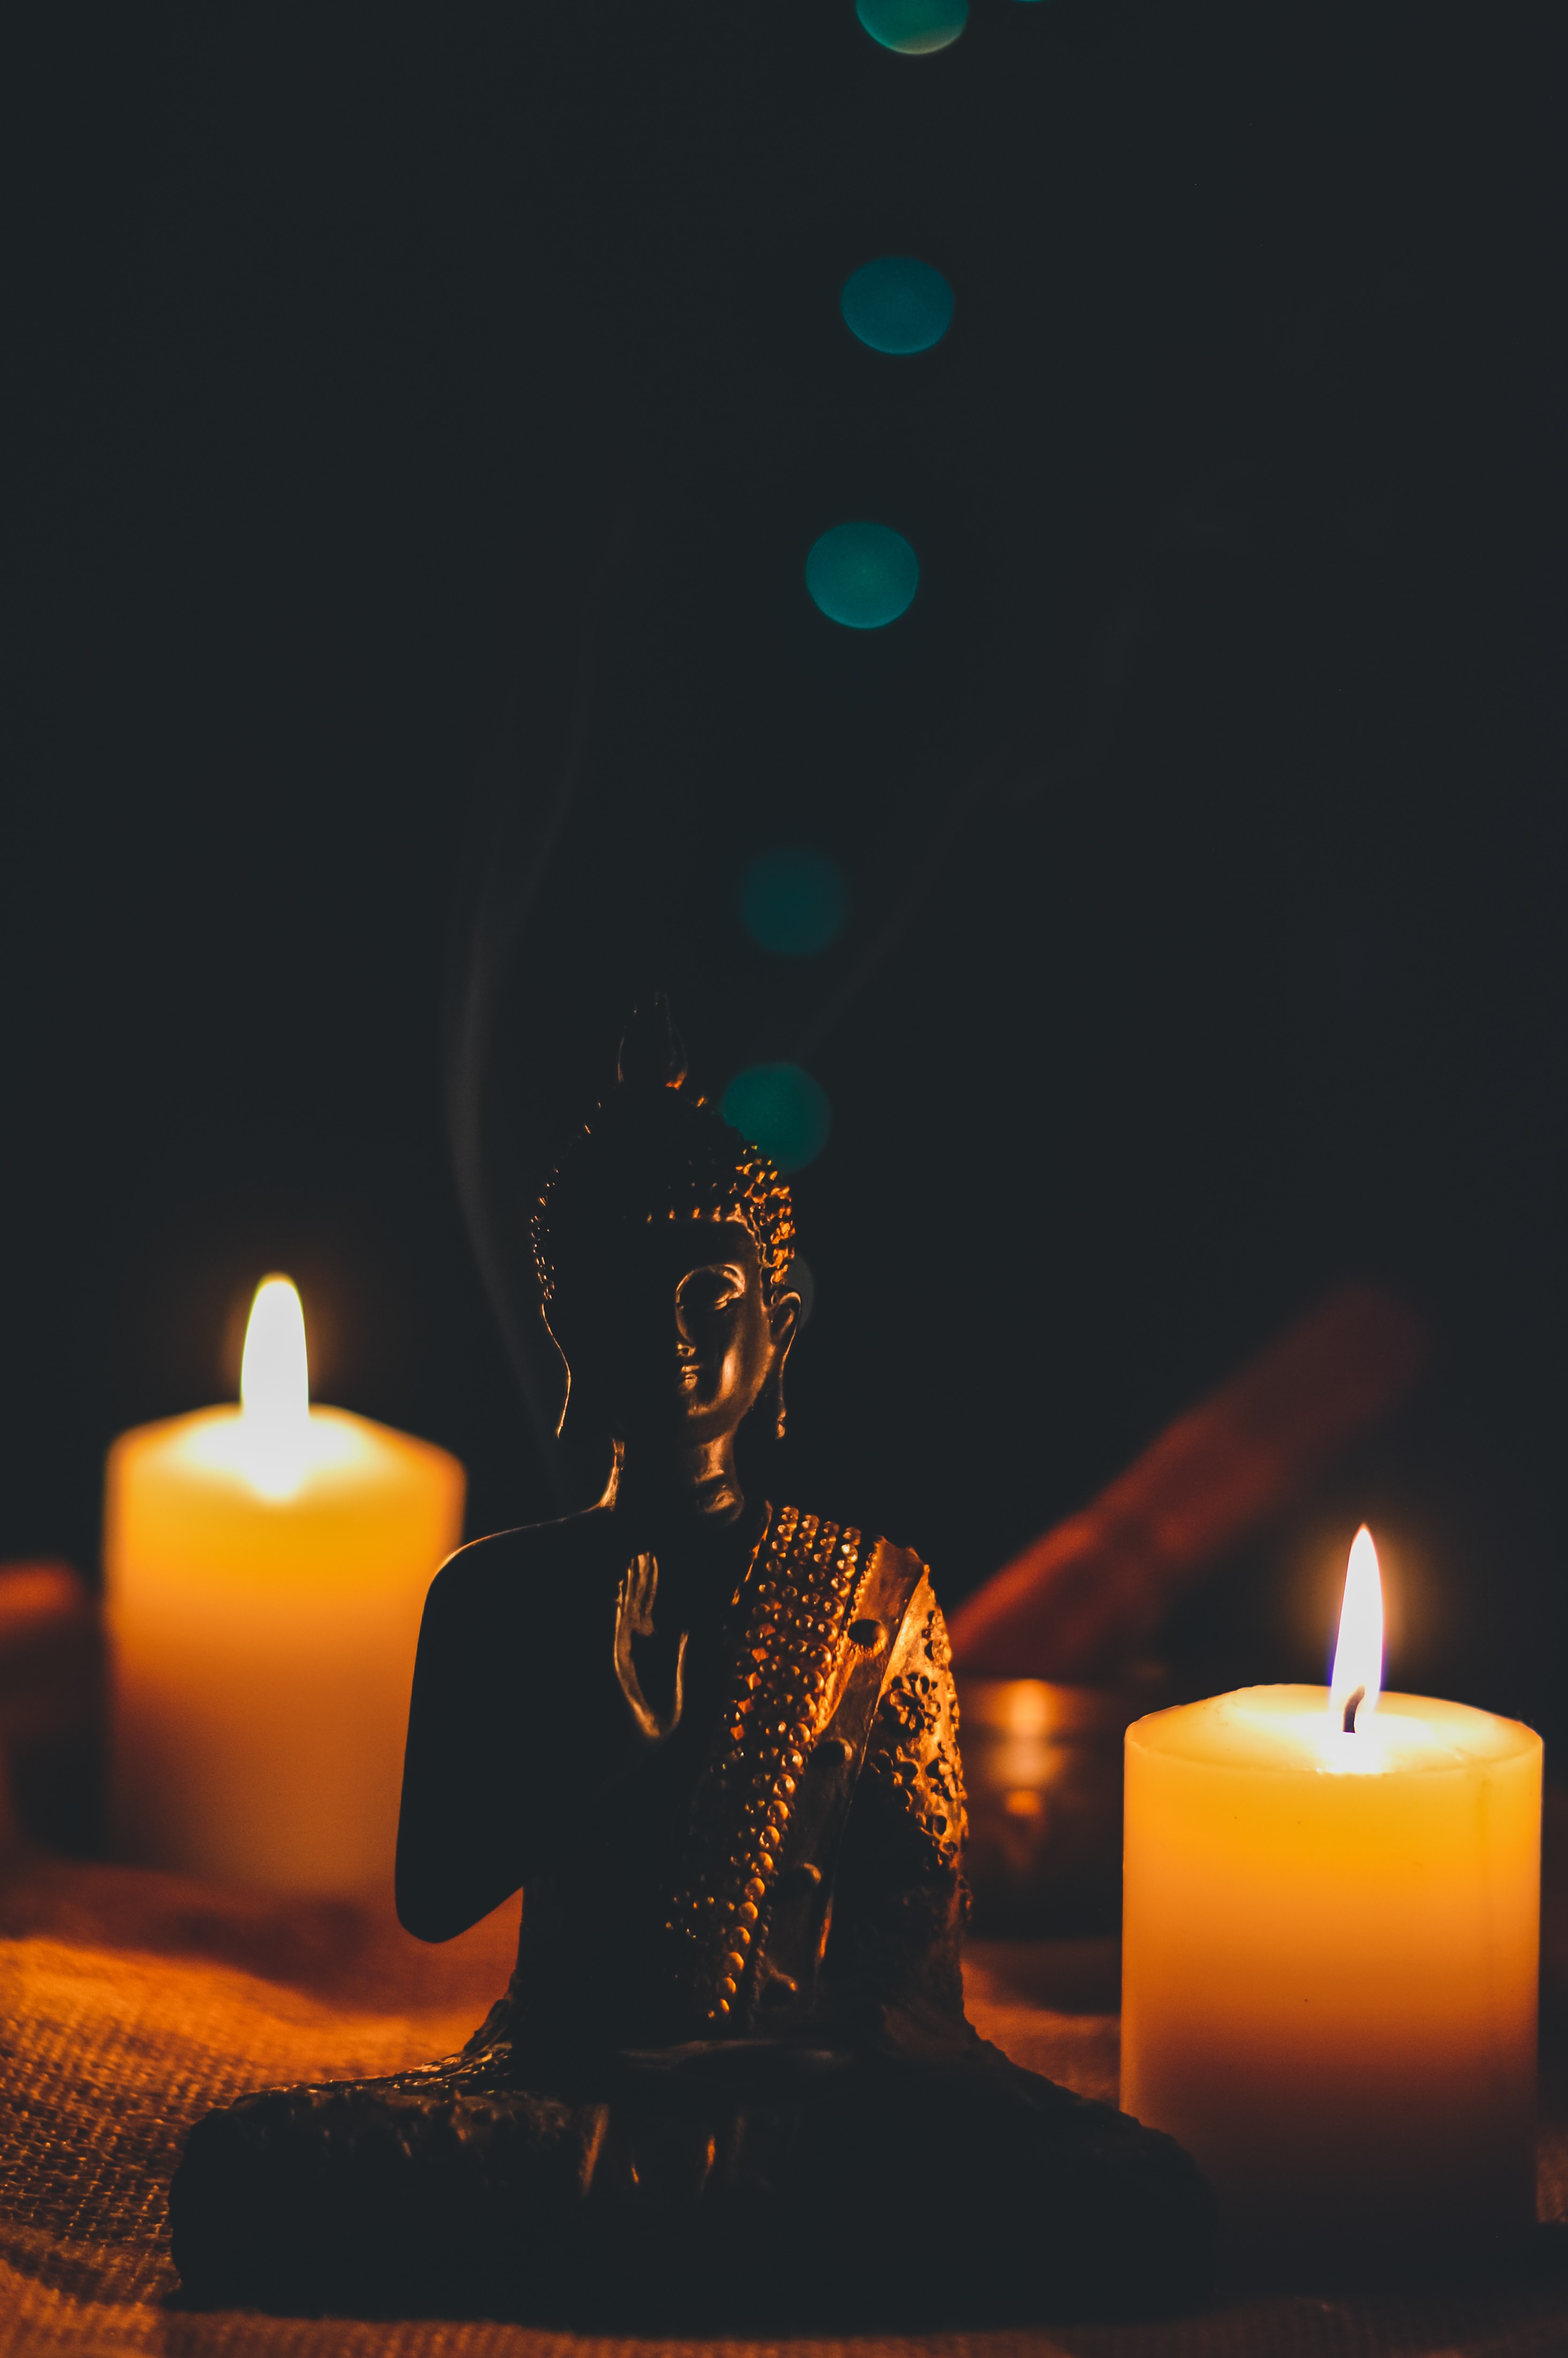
x=685, y=1341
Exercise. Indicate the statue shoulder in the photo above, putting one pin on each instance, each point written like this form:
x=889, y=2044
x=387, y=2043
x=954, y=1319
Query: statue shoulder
x=889, y=1580
x=545, y=1575
x=817, y=1536
x=891, y=1574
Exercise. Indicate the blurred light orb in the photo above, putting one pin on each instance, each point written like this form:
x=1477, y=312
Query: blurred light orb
x=862, y=575
x=781, y=1110
x=914, y=27
x=795, y=904
x=897, y=305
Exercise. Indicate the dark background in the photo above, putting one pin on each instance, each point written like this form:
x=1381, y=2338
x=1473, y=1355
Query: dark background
x=418, y=422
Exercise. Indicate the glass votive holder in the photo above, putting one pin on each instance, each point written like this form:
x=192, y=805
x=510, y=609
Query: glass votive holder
x=1042, y=1767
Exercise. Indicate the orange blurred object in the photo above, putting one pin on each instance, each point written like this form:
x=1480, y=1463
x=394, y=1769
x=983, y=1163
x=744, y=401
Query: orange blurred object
x=51, y=1693
x=1088, y=1597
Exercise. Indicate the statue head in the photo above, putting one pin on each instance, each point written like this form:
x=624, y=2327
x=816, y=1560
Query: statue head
x=662, y=1244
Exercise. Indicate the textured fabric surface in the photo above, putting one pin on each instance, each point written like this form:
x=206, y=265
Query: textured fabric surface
x=129, y=2004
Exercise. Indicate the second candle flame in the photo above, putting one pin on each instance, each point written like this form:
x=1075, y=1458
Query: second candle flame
x=1359, y=1657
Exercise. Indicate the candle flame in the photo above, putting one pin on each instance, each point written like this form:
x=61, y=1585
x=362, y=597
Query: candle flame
x=274, y=1390
x=1359, y=1657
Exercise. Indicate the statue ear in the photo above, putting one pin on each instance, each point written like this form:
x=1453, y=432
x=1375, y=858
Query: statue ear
x=591, y=1452
x=783, y=1323
x=584, y=1431
x=569, y=1394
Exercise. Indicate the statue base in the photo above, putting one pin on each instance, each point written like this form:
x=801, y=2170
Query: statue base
x=731, y=2186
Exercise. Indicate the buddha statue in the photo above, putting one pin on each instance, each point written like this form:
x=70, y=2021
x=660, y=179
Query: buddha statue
x=715, y=1741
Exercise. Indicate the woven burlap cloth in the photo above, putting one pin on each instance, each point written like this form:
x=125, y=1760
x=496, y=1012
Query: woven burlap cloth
x=131, y=2002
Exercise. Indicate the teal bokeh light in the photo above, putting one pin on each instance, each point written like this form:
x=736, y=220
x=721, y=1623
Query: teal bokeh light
x=897, y=305
x=794, y=903
x=781, y=1110
x=862, y=575
x=914, y=27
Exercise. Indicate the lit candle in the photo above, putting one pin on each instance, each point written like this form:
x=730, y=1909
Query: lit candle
x=266, y=1568
x=1330, y=1955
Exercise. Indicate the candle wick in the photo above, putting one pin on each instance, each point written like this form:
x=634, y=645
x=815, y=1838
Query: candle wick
x=1352, y=1702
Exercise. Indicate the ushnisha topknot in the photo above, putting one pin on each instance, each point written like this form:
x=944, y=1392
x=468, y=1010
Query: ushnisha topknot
x=652, y=1149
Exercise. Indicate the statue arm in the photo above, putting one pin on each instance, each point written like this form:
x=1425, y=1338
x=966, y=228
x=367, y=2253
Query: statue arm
x=460, y=1828
x=525, y=1707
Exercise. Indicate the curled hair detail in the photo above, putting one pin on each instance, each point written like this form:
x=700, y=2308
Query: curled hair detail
x=654, y=1150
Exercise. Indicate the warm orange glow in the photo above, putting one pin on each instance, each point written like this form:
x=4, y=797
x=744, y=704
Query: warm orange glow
x=1359, y=1657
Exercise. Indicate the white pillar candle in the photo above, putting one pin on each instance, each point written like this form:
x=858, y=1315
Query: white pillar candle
x=265, y=1569
x=1330, y=1960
